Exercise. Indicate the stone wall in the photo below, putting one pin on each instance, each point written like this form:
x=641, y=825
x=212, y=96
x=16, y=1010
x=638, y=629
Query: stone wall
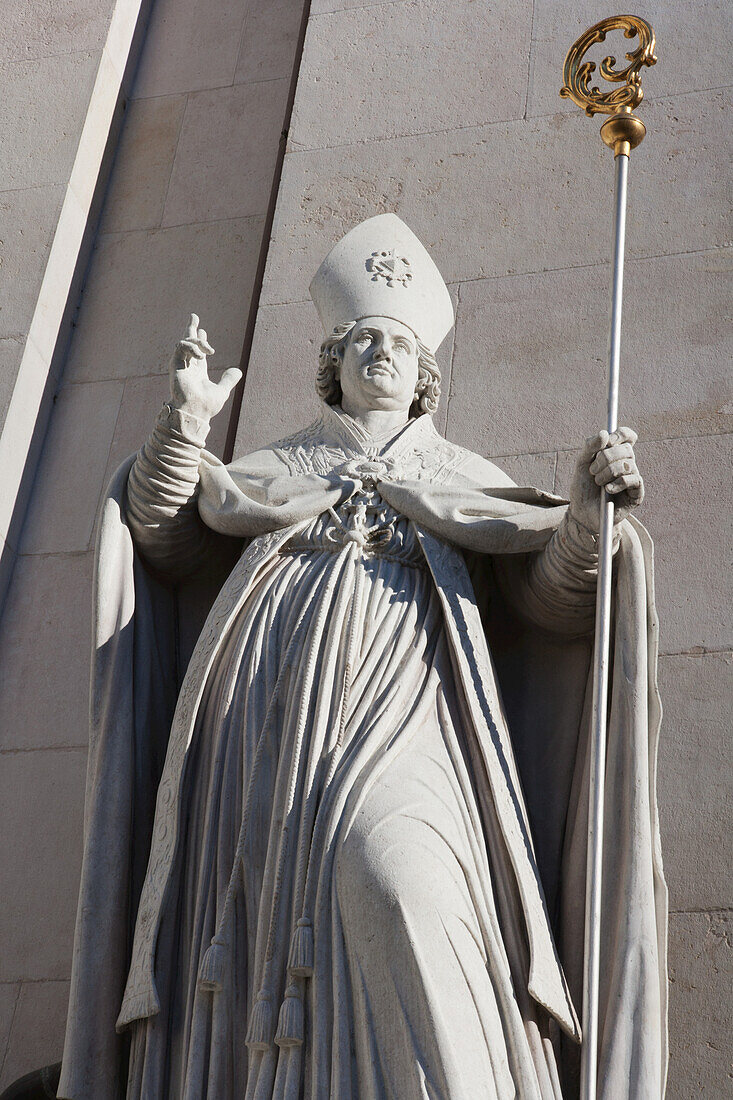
x=448, y=114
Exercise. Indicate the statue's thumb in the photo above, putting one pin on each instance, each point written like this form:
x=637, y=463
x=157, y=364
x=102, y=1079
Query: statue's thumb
x=230, y=378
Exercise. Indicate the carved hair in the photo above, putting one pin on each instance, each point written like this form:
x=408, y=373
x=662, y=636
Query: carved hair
x=328, y=387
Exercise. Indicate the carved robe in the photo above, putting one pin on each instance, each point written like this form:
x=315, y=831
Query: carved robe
x=343, y=896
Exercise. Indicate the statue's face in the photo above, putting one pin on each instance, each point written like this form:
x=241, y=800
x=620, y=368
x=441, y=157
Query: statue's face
x=379, y=368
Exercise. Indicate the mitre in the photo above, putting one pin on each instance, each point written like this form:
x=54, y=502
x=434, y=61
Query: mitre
x=380, y=269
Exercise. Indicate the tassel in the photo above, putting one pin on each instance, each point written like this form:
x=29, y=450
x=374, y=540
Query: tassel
x=291, y=1024
x=259, y=1034
x=300, y=962
x=213, y=965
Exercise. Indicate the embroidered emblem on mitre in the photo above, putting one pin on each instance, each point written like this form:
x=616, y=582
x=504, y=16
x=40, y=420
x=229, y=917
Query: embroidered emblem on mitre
x=380, y=269
x=388, y=265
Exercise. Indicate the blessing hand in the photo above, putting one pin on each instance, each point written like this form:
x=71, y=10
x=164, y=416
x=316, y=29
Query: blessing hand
x=192, y=390
x=606, y=461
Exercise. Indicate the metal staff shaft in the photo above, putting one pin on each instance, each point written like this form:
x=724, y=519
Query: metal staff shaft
x=622, y=132
x=594, y=868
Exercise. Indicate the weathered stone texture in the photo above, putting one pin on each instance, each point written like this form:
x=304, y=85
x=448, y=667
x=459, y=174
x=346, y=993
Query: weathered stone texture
x=695, y=778
x=48, y=602
x=418, y=57
x=701, y=977
x=143, y=285
x=41, y=808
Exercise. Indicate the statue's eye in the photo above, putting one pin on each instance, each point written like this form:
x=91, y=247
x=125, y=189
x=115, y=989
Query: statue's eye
x=364, y=338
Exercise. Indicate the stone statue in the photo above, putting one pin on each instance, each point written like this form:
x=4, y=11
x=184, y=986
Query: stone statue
x=338, y=850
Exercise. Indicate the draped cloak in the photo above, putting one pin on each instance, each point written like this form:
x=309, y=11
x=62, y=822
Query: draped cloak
x=524, y=691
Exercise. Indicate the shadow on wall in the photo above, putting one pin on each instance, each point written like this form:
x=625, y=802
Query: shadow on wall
x=41, y=1084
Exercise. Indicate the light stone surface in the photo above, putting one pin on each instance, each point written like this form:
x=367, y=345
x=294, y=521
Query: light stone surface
x=56, y=712
x=139, y=278
x=663, y=393
x=269, y=40
x=37, y=1037
x=144, y=163
x=61, y=515
x=694, y=582
x=505, y=189
x=695, y=778
x=190, y=44
x=239, y=129
x=38, y=145
x=361, y=57
x=41, y=807
x=701, y=976
x=28, y=218
x=43, y=28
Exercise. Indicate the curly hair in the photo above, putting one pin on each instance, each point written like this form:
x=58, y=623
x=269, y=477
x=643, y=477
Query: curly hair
x=328, y=387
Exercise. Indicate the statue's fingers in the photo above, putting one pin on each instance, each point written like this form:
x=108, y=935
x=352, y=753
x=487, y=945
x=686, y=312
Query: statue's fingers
x=623, y=435
x=189, y=349
x=592, y=444
x=611, y=454
x=628, y=482
x=229, y=379
x=204, y=342
x=193, y=327
x=619, y=468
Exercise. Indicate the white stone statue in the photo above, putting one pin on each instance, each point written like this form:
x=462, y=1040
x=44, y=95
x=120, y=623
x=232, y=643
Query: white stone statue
x=338, y=850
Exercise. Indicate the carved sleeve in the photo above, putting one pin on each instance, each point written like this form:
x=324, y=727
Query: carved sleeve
x=162, y=510
x=556, y=588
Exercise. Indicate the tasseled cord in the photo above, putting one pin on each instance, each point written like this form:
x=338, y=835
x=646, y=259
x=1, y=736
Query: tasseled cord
x=291, y=1024
x=300, y=962
x=213, y=965
x=261, y=1025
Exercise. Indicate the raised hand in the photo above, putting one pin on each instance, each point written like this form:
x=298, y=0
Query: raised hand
x=606, y=461
x=192, y=390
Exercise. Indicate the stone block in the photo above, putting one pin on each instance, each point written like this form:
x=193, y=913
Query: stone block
x=279, y=394
x=695, y=779
x=143, y=164
x=28, y=220
x=225, y=161
x=48, y=29
x=42, y=111
x=190, y=44
x=319, y=7
x=701, y=974
x=687, y=511
x=269, y=40
x=45, y=648
x=402, y=69
x=37, y=1038
x=68, y=482
x=507, y=198
x=692, y=46
x=531, y=349
x=142, y=287
x=531, y=469
x=41, y=814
